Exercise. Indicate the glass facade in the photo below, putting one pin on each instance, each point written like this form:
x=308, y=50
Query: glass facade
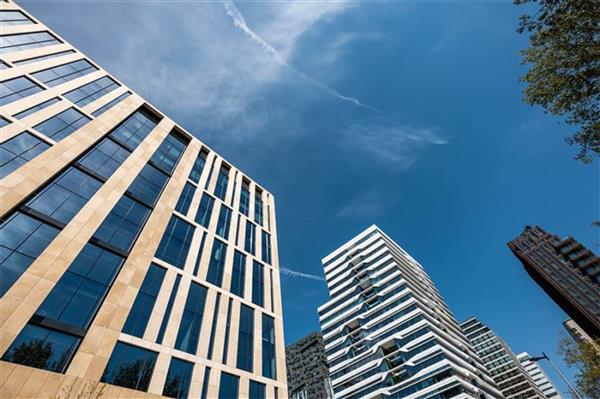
x=189, y=329
x=269, y=367
x=175, y=244
x=224, y=222
x=183, y=204
x=63, y=73
x=222, y=182
x=229, y=386
x=130, y=366
x=179, y=378
x=16, y=151
x=238, y=275
x=15, y=89
x=26, y=41
x=258, y=284
x=205, y=210
x=62, y=125
x=245, y=350
x=140, y=312
x=217, y=263
x=84, y=95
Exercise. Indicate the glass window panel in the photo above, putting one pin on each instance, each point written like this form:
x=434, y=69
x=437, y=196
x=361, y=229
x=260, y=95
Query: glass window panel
x=77, y=296
x=134, y=130
x=168, y=153
x=34, y=109
x=123, y=224
x=238, y=276
x=4, y=122
x=245, y=198
x=258, y=208
x=198, y=166
x=165, y=321
x=63, y=73
x=18, y=150
x=224, y=221
x=258, y=283
x=257, y=390
x=65, y=195
x=228, y=388
x=269, y=368
x=179, y=378
x=130, y=367
x=43, y=57
x=217, y=263
x=175, y=243
x=92, y=91
x=222, y=181
x=23, y=240
x=144, y=302
x=185, y=199
x=24, y=41
x=62, y=125
x=14, y=17
x=245, y=354
x=42, y=348
x=148, y=185
x=213, y=327
x=205, y=383
x=110, y=104
x=250, y=239
x=205, y=210
x=227, y=328
x=266, y=247
x=191, y=320
x=15, y=89
x=104, y=158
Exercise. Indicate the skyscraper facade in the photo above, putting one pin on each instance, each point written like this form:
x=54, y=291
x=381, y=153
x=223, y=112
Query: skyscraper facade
x=566, y=270
x=135, y=260
x=538, y=376
x=307, y=371
x=506, y=370
x=388, y=332
x=575, y=331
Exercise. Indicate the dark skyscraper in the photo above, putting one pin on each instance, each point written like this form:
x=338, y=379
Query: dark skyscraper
x=566, y=270
x=307, y=371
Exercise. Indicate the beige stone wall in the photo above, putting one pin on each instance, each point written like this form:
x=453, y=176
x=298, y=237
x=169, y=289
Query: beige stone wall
x=22, y=300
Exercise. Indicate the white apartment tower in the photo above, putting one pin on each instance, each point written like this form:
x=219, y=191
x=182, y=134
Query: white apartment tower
x=387, y=331
x=539, y=376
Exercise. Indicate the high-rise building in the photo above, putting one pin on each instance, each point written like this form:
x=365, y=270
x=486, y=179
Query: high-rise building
x=387, y=331
x=506, y=370
x=566, y=270
x=307, y=371
x=575, y=331
x=132, y=254
x=538, y=375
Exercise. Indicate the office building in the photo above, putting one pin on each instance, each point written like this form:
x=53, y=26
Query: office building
x=566, y=270
x=538, y=376
x=387, y=331
x=575, y=331
x=135, y=260
x=307, y=371
x=506, y=370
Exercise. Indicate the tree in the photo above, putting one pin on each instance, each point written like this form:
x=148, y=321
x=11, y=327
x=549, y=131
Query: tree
x=564, y=77
x=585, y=356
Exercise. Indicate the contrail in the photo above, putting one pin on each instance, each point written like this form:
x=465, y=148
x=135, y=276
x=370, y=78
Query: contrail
x=240, y=22
x=293, y=273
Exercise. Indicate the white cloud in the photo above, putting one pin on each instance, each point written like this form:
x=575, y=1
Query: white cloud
x=367, y=205
x=292, y=273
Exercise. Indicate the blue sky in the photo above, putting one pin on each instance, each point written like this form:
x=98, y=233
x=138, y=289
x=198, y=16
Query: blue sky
x=407, y=115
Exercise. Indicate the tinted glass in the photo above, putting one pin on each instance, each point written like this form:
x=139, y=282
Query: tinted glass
x=144, y=302
x=228, y=389
x=43, y=57
x=179, y=378
x=24, y=41
x=250, y=239
x=134, y=130
x=175, y=243
x=165, y=321
x=258, y=284
x=14, y=17
x=36, y=108
x=198, y=167
x=246, y=339
x=268, y=347
x=257, y=390
x=217, y=263
x=130, y=367
x=148, y=185
x=62, y=125
x=205, y=210
x=168, y=153
x=64, y=73
x=110, y=104
x=191, y=320
x=266, y=247
x=222, y=180
x=104, y=158
x=18, y=150
x=238, y=276
x=84, y=95
x=183, y=204
x=224, y=221
x=123, y=224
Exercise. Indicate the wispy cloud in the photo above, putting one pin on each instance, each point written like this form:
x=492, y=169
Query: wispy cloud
x=367, y=205
x=392, y=143
x=240, y=22
x=292, y=273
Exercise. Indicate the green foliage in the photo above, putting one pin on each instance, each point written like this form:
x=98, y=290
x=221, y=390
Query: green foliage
x=564, y=59
x=586, y=357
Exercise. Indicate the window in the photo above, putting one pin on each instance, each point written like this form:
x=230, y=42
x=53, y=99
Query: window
x=269, y=368
x=43, y=57
x=222, y=180
x=123, y=224
x=191, y=320
x=148, y=185
x=250, y=242
x=15, y=89
x=104, y=158
x=205, y=383
x=238, y=275
x=245, y=197
x=205, y=210
x=110, y=104
x=134, y=130
x=4, y=121
x=224, y=221
x=175, y=243
x=130, y=367
x=200, y=252
x=65, y=195
x=271, y=289
x=79, y=293
x=198, y=166
x=42, y=348
x=18, y=150
x=84, y=95
x=168, y=153
x=185, y=199
x=24, y=41
x=165, y=321
x=23, y=240
x=178, y=380
x=36, y=108
x=14, y=17
x=258, y=207
x=227, y=328
x=245, y=354
x=62, y=125
x=144, y=302
x=258, y=284
x=63, y=73
x=213, y=328
x=266, y=247
x=217, y=263
x=257, y=390
x=228, y=389
x=3, y=65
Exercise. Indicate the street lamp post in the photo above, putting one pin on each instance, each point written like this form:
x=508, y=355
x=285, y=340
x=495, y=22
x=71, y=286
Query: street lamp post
x=571, y=387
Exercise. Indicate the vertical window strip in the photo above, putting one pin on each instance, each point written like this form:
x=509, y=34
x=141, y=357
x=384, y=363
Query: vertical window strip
x=191, y=320
x=258, y=284
x=140, y=312
x=167, y=315
x=210, y=172
x=269, y=368
x=205, y=382
x=272, y=291
x=227, y=328
x=245, y=354
x=199, y=257
x=213, y=329
x=110, y=104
